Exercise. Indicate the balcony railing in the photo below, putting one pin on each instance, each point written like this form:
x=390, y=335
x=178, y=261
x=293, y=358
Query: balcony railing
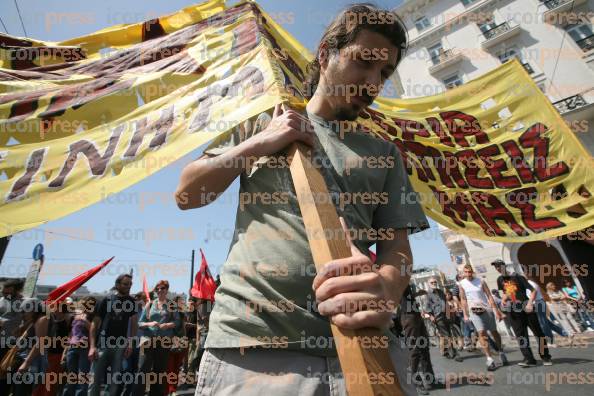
x=552, y=4
x=528, y=68
x=571, y=103
x=497, y=30
x=586, y=44
x=443, y=56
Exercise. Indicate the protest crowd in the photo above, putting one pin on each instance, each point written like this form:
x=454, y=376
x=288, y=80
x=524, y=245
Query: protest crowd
x=121, y=345
x=130, y=345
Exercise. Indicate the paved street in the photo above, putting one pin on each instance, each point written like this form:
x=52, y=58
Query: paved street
x=571, y=374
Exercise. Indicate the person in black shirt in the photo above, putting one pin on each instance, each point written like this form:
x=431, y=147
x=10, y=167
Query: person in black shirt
x=521, y=311
x=110, y=343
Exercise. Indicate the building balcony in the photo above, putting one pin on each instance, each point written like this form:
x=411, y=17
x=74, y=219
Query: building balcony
x=498, y=34
x=553, y=9
x=570, y=103
x=577, y=107
x=586, y=44
x=528, y=68
x=445, y=59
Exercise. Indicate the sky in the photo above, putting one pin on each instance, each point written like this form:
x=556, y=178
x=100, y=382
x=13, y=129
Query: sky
x=141, y=226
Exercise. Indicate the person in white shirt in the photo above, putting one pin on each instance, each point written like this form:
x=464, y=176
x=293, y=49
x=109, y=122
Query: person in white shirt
x=479, y=307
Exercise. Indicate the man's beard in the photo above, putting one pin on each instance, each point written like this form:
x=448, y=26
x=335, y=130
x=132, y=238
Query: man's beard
x=346, y=114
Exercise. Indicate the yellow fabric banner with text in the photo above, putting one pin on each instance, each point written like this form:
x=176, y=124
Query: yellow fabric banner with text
x=93, y=115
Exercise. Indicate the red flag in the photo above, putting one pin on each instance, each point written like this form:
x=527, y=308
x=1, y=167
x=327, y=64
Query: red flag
x=204, y=285
x=373, y=255
x=145, y=288
x=61, y=292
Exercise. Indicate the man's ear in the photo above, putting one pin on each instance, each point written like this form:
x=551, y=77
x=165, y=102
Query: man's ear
x=323, y=55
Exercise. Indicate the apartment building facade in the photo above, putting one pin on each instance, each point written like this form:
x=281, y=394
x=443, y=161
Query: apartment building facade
x=455, y=41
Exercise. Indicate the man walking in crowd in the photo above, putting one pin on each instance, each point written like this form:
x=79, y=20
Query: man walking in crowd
x=417, y=341
x=435, y=309
x=479, y=308
x=296, y=337
x=466, y=327
x=110, y=342
x=521, y=311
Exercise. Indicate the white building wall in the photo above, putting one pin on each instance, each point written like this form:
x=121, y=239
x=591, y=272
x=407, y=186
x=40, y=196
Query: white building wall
x=550, y=52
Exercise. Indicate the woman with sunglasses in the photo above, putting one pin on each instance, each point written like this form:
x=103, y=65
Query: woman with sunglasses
x=158, y=322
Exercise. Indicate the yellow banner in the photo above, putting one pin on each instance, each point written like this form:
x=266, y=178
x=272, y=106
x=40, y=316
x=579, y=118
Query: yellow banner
x=93, y=115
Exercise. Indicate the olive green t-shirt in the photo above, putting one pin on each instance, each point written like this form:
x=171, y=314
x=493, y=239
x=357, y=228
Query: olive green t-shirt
x=265, y=297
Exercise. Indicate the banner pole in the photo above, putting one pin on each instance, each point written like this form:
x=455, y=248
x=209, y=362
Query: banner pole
x=192, y=272
x=362, y=366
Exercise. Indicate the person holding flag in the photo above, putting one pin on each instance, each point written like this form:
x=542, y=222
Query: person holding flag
x=202, y=293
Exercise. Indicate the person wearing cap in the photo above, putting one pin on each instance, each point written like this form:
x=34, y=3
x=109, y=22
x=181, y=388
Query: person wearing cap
x=521, y=312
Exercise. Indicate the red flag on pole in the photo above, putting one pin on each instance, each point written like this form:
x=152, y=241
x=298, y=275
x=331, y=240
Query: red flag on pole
x=204, y=284
x=145, y=288
x=61, y=292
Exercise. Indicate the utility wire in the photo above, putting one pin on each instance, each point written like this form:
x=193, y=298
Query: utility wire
x=113, y=245
x=20, y=17
x=560, y=47
x=5, y=29
x=89, y=259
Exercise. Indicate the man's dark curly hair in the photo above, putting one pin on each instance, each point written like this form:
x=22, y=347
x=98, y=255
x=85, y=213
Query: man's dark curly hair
x=344, y=30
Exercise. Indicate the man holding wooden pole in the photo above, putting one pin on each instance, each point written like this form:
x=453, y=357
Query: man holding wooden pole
x=280, y=321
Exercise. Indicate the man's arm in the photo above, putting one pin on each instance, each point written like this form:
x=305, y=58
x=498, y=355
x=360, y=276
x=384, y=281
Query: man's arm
x=492, y=302
x=528, y=286
x=464, y=303
x=355, y=293
x=95, y=324
x=203, y=180
x=134, y=325
x=395, y=258
x=40, y=326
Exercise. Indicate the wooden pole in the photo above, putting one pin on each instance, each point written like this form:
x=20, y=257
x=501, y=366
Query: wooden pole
x=367, y=370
